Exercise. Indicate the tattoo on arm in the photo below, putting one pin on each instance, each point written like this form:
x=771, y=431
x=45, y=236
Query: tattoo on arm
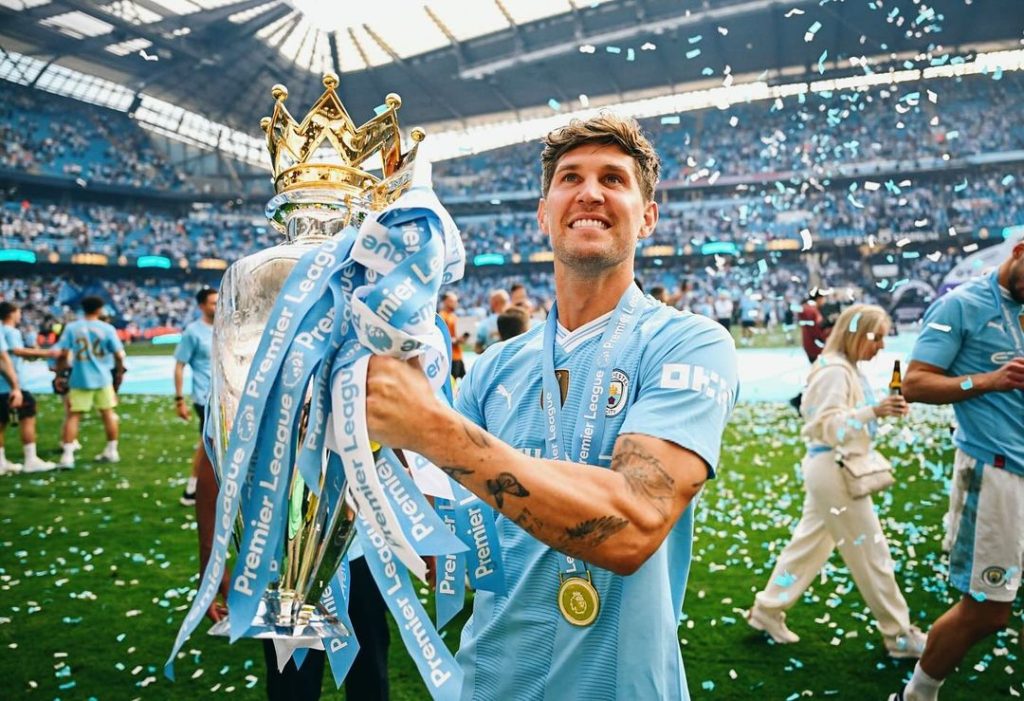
x=578, y=540
x=589, y=534
x=456, y=473
x=505, y=483
x=528, y=522
x=645, y=475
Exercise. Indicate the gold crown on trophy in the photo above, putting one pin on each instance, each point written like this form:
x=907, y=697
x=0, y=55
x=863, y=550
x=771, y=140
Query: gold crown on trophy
x=327, y=150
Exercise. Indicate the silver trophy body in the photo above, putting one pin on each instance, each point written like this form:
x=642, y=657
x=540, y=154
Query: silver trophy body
x=313, y=547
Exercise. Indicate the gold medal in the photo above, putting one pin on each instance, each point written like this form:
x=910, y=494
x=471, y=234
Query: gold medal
x=578, y=600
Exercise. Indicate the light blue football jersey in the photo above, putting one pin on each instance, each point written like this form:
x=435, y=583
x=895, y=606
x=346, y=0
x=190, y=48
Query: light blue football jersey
x=968, y=331
x=676, y=379
x=5, y=349
x=12, y=340
x=194, y=350
x=92, y=344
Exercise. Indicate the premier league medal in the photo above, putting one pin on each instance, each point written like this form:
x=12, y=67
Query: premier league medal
x=578, y=600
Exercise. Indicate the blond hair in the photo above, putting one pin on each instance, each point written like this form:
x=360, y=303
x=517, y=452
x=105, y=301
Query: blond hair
x=606, y=129
x=852, y=327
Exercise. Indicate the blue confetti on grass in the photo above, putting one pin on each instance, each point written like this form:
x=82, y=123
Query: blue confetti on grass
x=693, y=53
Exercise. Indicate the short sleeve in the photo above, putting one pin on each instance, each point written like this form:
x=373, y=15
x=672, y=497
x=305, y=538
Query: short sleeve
x=64, y=342
x=3, y=343
x=688, y=387
x=16, y=341
x=467, y=400
x=942, y=333
x=186, y=347
x=115, y=343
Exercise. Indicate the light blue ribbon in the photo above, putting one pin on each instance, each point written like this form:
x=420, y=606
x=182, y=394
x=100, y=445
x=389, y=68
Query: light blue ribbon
x=394, y=315
x=436, y=664
x=588, y=430
x=341, y=650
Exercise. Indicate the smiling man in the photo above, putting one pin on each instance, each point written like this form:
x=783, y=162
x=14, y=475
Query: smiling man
x=591, y=434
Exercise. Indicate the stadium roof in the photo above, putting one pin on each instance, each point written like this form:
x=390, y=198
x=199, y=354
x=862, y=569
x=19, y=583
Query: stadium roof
x=454, y=61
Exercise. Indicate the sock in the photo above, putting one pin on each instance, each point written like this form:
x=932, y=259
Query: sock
x=68, y=447
x=69, y=452
x=111, y=447
x=30, y=452
x=3, y=456
x=190, y=488
x=922, y=687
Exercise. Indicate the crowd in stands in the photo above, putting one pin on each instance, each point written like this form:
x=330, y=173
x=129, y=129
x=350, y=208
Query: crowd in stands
x=138, y=309
x=908, y=123
x=134, y=230
x=48, y=135
x=982, y=199
x=809, y=137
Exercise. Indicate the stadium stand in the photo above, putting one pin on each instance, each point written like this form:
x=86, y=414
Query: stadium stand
x=739, y=187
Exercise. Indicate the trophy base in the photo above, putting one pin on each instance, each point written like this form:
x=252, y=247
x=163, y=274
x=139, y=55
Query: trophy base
x=310, y=623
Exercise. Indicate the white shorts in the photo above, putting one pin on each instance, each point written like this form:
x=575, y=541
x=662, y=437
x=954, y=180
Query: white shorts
x=986, y=522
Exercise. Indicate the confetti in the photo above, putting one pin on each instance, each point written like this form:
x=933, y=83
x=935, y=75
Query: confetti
x=811, y=31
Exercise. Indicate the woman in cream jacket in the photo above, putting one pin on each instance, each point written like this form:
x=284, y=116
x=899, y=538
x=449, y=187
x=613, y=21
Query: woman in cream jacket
x=840, y=412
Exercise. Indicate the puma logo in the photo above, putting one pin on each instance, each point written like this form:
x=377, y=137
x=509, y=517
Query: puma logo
x=503, y=391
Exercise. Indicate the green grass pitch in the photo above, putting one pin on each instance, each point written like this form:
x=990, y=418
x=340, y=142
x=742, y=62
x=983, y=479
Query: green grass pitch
x=97, y=564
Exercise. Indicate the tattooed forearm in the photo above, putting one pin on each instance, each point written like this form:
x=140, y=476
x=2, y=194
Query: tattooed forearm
x=475, y=435
x=577, y=541
x=456, y=473
x=589, y=534
x=528, y=522
x=505, y=483
x=644, y=475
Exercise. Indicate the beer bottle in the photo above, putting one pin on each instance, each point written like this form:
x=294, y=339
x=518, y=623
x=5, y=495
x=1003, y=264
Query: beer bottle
x=896, y=383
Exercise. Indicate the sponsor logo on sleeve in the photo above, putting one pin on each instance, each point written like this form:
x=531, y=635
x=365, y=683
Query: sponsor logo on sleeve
x=696, y=378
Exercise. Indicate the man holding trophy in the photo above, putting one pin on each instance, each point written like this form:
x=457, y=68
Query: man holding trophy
x=591, y=434
x=299, y=481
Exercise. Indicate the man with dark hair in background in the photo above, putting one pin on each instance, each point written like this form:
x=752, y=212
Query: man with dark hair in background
x=194, y=350
x=96, y=374
x=10, y=317
x=512, y=322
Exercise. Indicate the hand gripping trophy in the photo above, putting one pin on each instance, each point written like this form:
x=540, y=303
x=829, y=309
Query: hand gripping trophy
x=359, y=273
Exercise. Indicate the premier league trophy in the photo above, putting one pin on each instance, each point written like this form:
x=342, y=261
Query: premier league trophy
x=319, y=196
x=358, y=273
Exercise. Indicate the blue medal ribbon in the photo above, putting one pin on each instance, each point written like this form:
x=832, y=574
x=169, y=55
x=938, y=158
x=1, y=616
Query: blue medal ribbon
x=1013, y=327
x=591, y=419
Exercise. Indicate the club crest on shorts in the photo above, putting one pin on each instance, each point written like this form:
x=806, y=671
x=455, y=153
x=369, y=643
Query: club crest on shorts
x=618, y=388
x=994, y=576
